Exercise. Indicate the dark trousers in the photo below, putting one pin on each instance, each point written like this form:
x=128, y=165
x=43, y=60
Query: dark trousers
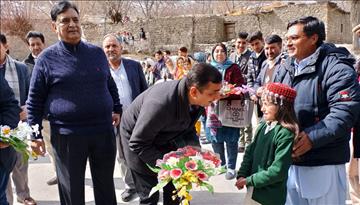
x=232, y=152
x=7, y=162
x=4, y=178
x=144, y=184
x=71, y=154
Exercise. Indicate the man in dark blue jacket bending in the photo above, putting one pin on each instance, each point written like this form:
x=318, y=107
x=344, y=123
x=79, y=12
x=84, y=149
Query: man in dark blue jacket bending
x=162, y=119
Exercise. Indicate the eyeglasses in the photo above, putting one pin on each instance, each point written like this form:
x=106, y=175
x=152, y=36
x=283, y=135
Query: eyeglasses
x=67, y=21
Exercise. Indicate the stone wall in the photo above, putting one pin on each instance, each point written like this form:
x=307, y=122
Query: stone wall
x=338, y=27
x=198, y=32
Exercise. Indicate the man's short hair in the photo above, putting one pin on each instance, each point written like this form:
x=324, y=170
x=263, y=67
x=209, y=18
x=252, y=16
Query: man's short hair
x=159, y=52
x=255, y=36
x=167, y=52
x=3, y=39
x=312, y=25
x=34, y=34
x=61, y=7
x=273, y=39
x=202, y=74
x=183, y=49
x=243, y=35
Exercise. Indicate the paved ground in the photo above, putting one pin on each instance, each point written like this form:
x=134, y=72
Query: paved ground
x=41, y=170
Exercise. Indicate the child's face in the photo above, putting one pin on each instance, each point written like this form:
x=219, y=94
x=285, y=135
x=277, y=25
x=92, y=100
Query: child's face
x=269, y=109
x=180, y=63
x=187, y=65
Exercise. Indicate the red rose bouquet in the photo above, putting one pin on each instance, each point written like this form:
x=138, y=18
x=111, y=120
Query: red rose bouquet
x=186, y=167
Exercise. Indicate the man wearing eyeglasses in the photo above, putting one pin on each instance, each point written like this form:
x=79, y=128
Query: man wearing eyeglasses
x=72, y=86
x=327, y=105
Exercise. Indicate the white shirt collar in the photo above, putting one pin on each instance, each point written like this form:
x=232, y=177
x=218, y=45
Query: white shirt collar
x=270, y=125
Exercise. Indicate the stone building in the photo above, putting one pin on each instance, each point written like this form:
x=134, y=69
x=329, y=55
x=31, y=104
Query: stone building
x=201, y=32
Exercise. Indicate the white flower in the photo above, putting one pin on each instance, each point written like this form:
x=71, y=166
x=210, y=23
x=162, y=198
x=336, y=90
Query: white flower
x=23, y=131
x=209, y=164
x=35, y=129
x=172, y=161
x=5, y=131
x=198, y=156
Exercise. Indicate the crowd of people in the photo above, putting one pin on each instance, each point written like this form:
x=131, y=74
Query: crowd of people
x=301, y=106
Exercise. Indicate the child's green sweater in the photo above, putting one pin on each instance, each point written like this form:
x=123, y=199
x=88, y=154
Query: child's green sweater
x=266, y=163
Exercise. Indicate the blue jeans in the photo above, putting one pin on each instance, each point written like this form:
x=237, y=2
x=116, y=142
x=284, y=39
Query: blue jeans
x=4, y=178
x=232, y=152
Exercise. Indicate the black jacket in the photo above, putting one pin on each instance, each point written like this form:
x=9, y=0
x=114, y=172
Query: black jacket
x=158, y=121
x=9, y=115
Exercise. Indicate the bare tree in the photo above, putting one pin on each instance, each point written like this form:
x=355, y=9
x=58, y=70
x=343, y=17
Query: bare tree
x=15, y=18
x=146, y=8
x=117, y=11
x=85, y=7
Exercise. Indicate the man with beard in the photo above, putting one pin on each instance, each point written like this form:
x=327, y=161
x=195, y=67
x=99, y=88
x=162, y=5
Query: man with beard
x=273, y=45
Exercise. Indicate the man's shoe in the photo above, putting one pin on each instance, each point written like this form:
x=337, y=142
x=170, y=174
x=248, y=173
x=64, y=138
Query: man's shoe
x=128, y=195
x=230, y=174
x=52, y=181
x=27, y=201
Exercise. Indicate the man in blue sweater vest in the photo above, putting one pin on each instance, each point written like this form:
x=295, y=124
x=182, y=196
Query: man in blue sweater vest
x=72, y=86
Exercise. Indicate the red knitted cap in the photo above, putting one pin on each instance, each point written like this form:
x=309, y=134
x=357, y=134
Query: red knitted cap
x=280, y=92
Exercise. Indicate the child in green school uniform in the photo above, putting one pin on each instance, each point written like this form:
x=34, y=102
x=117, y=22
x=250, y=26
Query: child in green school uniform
x=264, y=169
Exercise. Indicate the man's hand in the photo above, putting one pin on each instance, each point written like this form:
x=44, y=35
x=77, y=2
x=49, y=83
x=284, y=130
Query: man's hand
x=38, y=146
x=116, y=119
x=259, y=91
x=3, y=145
x=302, y=145
x=23, y=113
x=254, y=98
x=240, y=183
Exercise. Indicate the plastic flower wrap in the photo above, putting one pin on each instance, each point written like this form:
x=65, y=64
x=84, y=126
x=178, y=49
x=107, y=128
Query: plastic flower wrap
x=18, y=138
x=186, y=167
x=230, y=89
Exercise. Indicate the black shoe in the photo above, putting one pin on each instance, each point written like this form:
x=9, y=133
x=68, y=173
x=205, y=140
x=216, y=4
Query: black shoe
x=128, y=195
x=52, y=181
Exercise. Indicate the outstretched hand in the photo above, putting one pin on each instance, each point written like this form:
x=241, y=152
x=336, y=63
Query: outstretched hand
x=240, y=183
x=38, y=146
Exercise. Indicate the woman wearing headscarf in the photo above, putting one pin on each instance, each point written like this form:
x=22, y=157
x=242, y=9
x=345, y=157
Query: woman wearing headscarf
x=221, y=135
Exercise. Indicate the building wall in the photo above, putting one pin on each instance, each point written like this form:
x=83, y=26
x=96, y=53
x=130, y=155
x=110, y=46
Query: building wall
x=201, y=32
x=336, y=20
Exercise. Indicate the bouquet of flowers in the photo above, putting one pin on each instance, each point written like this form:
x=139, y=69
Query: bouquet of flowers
x=185, y=167
x=228, y=89
x=18, y=137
